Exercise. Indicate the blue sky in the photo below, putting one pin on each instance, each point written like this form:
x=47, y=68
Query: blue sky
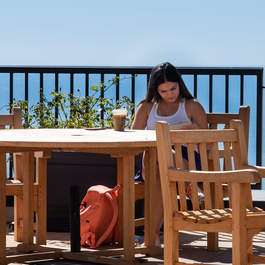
x=132, y=33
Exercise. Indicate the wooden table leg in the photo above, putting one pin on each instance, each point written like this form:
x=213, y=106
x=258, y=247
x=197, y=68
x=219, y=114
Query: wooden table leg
x=41, y=211
x=18, y=200
x=28, y=197
x=150, y=184
x=128, y=207
x=2, y=206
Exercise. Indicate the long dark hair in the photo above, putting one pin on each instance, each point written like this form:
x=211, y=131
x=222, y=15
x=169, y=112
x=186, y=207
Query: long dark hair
x=160, y=74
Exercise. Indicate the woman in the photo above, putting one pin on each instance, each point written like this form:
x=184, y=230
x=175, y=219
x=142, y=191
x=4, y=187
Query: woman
x=167, y=99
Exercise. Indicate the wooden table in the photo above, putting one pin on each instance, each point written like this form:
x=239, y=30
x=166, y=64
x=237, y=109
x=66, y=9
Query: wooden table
x=121, y=145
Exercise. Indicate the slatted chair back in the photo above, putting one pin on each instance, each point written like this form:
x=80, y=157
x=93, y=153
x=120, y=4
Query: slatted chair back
x=216, y=119
x=208, y=144
x=13, y=120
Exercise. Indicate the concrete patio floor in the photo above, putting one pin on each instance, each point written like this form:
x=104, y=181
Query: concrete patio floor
x=192, y=249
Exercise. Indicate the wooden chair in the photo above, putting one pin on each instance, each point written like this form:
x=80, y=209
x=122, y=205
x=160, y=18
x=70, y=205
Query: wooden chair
x=240, y=219
x=15, y=187
x=214, y=120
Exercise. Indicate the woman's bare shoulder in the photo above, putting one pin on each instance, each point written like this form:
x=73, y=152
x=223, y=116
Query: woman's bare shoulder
x=145, y=107
x=193, y=103
x=141, y=115
x=196, y=113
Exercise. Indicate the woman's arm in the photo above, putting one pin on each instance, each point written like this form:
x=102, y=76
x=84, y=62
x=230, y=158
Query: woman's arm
x=141, y=116
x=197, y=115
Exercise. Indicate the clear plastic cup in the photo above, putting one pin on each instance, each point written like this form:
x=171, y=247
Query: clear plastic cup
x=119, y=118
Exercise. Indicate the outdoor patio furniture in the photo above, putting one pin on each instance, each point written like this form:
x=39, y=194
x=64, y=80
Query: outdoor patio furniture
x=124, y=146
x=15, y=187
x=214, y=120
x=241, y=218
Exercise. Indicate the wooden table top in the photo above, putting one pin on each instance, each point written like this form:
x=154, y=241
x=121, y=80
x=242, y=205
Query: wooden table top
x=76, y=138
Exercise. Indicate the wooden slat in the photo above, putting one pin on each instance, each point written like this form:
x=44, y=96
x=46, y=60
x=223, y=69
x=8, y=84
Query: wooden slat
x=224, y=226
x=221, y=118
x=88, y=257
x=139, y=222
x=241, y=176
x=195, y=136
x=32, y=256
x=17, y=118
x=7, y=120
x=228, y=166
x=218, y=191
x=255, y=221
x=181, y=184
x=206, y=185
x=194, y=184
x=205, y=216
x=257, y=259
x=219, y=214
x=243, y=160
x=244, y=114
x=16, y=189
x=139, y=190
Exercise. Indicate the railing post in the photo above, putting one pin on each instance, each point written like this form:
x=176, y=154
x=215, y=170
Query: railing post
x=259, y=117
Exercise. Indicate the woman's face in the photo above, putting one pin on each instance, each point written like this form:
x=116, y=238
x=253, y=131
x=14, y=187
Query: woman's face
x=169, y=91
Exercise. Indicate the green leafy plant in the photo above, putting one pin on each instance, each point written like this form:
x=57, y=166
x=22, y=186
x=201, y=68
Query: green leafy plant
x=74, y=110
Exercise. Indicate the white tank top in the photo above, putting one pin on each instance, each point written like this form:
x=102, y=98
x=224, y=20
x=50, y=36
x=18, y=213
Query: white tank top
x=179, y=116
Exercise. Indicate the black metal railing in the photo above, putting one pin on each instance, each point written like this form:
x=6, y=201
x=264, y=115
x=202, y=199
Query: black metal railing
x=194, y=73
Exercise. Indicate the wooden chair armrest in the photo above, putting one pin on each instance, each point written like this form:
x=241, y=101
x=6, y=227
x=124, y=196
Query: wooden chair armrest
x=237, y=176
x=260, y=169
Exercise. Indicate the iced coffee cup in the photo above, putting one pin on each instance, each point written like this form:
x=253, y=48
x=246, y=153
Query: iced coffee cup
x=119, y=118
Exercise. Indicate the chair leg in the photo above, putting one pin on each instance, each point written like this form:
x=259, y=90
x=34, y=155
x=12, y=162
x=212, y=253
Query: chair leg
x=171, y=246
x=240, y=240
x=239, y=246
x=18, y=218
x=212, y=241
x=251, y=234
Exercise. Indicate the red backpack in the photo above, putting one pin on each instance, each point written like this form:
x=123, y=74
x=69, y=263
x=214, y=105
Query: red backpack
x=98, y=216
